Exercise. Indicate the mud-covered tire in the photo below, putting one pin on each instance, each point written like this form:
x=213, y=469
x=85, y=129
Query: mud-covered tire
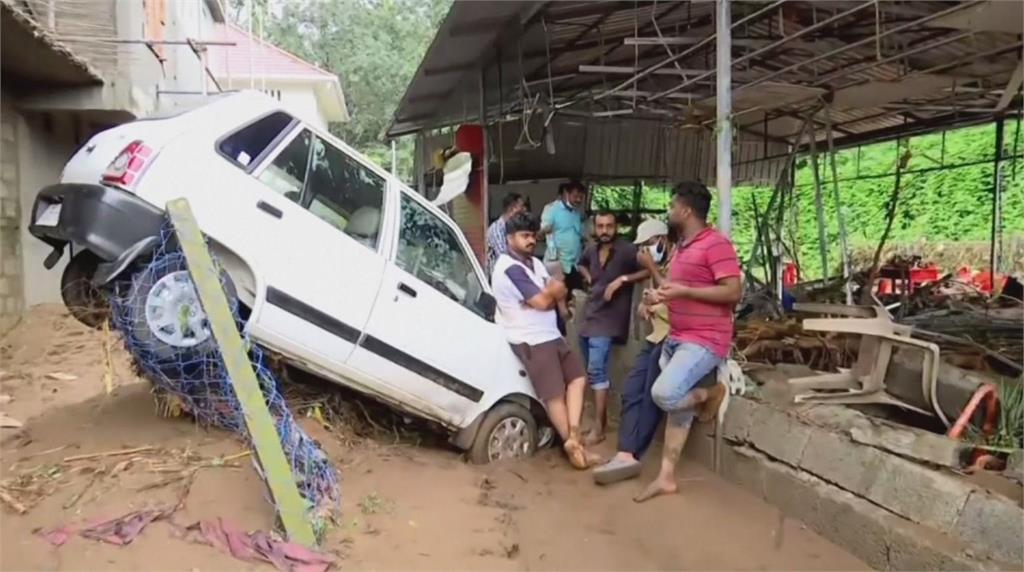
x=508, y=432
x=88, y=303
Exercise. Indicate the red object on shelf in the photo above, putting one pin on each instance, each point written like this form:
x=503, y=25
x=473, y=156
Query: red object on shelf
x=922, y=276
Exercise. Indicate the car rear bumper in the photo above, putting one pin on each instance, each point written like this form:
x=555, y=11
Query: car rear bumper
x=104, y=220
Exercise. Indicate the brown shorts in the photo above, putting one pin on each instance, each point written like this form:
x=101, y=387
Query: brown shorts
x=551, y=366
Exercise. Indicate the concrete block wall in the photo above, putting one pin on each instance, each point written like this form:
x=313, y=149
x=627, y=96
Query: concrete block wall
x=894, y=509
x=12, y=293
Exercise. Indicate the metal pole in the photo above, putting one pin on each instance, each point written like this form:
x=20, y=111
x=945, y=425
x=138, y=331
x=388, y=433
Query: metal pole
x=819, y=205
x=723, y=102
x=843, y=246
x=420, y=164
x=252, y=74
x=394, y=159
x=996, y=199
x=484, y=191
x=201, y=50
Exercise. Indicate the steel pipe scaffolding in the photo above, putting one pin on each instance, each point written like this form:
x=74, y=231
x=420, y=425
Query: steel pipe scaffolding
x=723, y=104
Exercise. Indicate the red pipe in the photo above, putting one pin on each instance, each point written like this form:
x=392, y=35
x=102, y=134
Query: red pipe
x=990, y=395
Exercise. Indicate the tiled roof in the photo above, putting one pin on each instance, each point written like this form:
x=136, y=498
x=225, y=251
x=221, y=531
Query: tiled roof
x=265, y=58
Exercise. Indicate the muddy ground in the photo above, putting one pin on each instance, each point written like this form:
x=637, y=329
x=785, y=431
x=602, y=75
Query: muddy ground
x=404, y=506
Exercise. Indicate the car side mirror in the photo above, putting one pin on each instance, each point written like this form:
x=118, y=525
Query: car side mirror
x=488, y=305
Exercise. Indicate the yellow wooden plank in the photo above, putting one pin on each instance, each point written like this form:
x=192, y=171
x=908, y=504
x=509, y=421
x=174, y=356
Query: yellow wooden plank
x=290, y=504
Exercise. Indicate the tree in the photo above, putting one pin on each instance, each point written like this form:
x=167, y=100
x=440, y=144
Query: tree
x=374, y=46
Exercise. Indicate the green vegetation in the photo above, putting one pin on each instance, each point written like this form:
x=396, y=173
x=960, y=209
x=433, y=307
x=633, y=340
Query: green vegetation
x=373, y=45
x=935, y=205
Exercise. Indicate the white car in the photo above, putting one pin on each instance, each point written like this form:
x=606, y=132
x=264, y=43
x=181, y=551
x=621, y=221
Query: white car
x=339, y=267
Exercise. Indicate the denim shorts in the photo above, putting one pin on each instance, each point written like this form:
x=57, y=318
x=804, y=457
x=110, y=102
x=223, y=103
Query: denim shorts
x=597, y=353
x=683, y=365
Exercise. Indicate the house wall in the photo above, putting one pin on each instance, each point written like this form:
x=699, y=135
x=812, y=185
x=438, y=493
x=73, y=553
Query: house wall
x=183, y=69
x=46, y=143
x=12, y=299
x=300, y=99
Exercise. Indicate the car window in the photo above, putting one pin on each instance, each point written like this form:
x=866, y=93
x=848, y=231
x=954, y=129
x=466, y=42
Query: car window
x=429, y=249
x=286, y=174
x=244, y=146
x=344, y=193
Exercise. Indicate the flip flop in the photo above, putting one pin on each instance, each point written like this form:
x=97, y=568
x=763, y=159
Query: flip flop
x=616, y=470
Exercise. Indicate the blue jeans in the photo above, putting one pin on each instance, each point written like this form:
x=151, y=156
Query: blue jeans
x=683, y=364
x=596, y=352
x=640, y=415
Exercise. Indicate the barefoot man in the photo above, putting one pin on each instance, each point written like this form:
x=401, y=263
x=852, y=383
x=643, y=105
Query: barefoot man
x=702, y=289
x=527, y=297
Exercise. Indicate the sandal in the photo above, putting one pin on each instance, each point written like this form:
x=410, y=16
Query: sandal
x=578, y=457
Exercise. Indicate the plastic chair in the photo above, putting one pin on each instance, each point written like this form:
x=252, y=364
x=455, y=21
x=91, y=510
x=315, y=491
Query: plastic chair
x=865, y=381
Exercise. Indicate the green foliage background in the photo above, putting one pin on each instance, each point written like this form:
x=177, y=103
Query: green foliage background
x=939, y=206
x=373, y=46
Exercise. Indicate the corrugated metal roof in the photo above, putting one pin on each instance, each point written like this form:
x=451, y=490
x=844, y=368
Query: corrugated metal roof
x=967, y=42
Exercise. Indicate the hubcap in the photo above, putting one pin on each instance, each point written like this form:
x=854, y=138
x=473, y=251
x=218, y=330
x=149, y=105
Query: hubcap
x=173, y=311
x=510, y=439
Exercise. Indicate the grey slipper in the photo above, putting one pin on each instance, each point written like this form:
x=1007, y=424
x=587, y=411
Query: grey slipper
x=616, y=470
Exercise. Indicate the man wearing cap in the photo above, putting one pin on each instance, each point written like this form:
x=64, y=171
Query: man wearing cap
x=640, y=414
x=611, y=269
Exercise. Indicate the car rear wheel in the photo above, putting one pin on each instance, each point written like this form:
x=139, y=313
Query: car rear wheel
x=508, y=432
x=86, y=302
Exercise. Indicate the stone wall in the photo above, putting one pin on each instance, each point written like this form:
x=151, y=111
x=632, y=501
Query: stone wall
x=12, y=300
x=889, y=494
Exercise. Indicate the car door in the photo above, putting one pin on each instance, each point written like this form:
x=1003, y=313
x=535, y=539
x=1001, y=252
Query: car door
x=324, y=219
x=429, y=334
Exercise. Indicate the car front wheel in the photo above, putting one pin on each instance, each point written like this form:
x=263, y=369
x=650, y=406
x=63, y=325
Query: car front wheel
x=508, y=432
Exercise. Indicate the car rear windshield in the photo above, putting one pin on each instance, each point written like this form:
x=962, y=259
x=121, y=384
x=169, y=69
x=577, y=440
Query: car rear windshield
x=245, y=146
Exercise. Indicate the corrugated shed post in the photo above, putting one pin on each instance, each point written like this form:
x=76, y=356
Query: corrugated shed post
x=997, y=200
x=819, y=204
x=419, y=164
x=723, y=96
x=840, y=217
x=485, y=202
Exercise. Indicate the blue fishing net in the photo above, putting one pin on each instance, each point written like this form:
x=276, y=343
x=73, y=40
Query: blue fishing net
x=172, y=345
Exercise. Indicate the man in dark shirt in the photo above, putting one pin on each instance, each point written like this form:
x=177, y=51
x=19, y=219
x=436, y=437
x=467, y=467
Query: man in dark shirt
x=611, y=269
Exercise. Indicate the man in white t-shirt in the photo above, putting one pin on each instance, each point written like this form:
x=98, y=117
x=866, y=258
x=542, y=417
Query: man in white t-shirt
x=527, y=297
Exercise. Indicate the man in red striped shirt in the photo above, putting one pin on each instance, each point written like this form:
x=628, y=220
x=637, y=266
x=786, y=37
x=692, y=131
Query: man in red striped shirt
x=703, y=287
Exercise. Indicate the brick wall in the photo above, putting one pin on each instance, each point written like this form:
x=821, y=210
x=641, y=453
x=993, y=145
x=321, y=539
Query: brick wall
x=12, y=301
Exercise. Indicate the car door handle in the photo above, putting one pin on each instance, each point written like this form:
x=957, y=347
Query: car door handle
x=406, y=289
x=269, y=209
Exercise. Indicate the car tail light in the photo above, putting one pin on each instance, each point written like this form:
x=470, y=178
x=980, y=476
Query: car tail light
x=125, y=170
